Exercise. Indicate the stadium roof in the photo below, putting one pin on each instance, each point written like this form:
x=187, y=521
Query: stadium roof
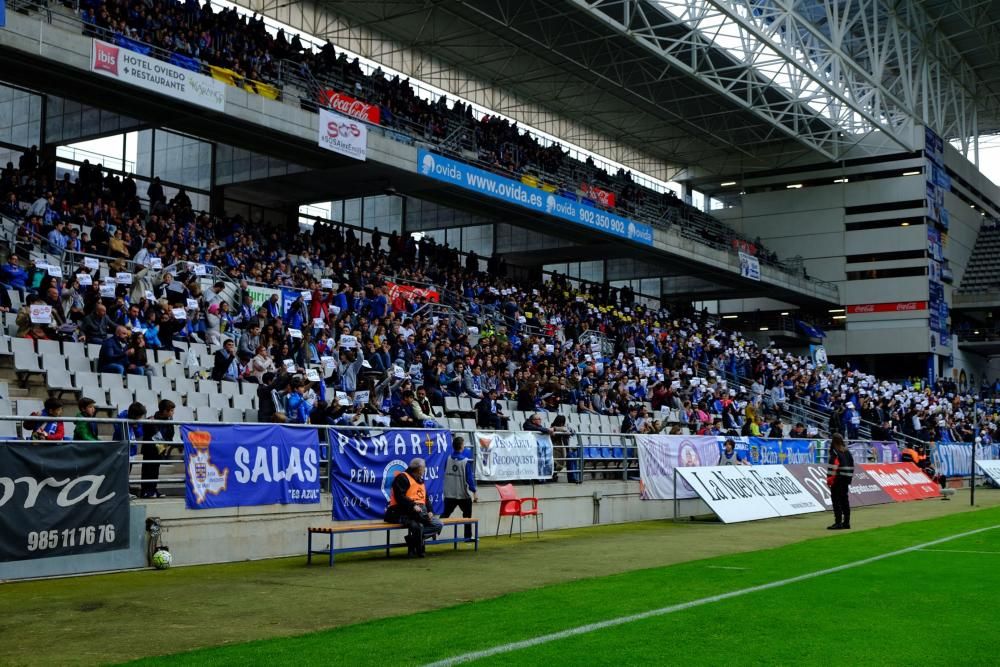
x=725, y=85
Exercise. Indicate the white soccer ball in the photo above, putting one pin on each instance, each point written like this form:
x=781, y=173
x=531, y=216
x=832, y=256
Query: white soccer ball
x=162, y=559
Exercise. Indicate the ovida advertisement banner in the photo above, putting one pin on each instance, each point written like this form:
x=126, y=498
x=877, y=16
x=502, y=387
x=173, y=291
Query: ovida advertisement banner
x=238, y=466
x=863, y=490
x=157, y=76
x=63, y=499
x=364, y=466
x=508, y=190
x=511, y=456
x=661, y=455
x=344, y=135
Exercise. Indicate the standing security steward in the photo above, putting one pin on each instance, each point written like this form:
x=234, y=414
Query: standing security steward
x=839, y=473
x=459, y=483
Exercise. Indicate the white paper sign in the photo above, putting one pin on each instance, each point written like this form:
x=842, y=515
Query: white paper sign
x=347, y=341
x=123, y=278
x=155, y=263
x=91, y=263
x=329, y=362
x=517, y=455
x=312, y=375
x=41, y=314
x=290, y=365
x=294, y=333
x=85, y=279
x=398, y=372
x=192, y=304
x=150, y=296
x=179, y=313
x=326, y=283
x=318, y=323
x=361, y=397
x=200, y=270
x=306, y=296
x=107, y=291
x=416, y=370
x=342, y=134
x=55, y=271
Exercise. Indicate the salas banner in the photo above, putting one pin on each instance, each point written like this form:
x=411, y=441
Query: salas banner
x=236, y=466
x=749, y=266
x=157, y=76
x=63, y=499
x=741, y=493
x=660, y=455
x=516, y=455
x=344, y=135
x=863, y=490
x=350, y=106
x=508, y=190
x=902, y=481
x=363, y=468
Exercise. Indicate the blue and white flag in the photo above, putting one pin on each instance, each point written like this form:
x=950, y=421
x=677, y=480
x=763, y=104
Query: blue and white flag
x=235, y=466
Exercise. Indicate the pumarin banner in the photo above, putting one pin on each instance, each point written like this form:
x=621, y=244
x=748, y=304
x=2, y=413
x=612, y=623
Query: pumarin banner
x=344, y=135
x=508, y=190
x=740, y=493
x=363, y=469
x=660, y=455
x=517, y=455
x=157, y=76
x=238, y=466
x=63, y=499
x=749, y=266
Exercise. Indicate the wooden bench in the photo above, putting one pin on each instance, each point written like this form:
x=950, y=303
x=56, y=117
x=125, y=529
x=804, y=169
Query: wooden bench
x=332, y=530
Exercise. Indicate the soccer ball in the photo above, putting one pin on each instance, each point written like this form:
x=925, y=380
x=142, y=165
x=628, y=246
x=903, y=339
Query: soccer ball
x=162, y=559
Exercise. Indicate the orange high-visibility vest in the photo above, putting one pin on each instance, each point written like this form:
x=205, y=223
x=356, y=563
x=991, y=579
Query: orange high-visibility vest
x=417, y=491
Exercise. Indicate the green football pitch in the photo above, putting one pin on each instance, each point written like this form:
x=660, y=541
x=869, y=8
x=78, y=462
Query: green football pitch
x=917, y=585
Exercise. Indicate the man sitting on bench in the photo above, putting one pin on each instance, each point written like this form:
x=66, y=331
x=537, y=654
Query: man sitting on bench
x=408, y=506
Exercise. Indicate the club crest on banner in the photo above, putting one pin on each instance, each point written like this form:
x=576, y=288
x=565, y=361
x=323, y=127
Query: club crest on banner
x=205, y=478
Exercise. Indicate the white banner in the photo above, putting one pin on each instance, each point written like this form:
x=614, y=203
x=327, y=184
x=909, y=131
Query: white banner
x=991, y=469
x=157, y=76
x=730, y=494
x=512, y=456
x=749, y=266
x=340, y=134
x=786, y=494
x=659, y=455
x=40, y=314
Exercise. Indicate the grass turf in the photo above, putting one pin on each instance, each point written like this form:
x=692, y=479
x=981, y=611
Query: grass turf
x=917, y=607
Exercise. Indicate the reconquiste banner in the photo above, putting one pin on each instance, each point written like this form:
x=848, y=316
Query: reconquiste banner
x=237, y=466
x=137, y=69
x=363, y=468
x=516, y=455
x=63, y=499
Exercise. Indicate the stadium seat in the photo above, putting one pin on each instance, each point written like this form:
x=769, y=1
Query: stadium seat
x=112, y=381
x=78, y=363
x=232, y=415
x=58, y=380
x=512, y=506
x=219, y=400
x=206, y=413
x=49, y=347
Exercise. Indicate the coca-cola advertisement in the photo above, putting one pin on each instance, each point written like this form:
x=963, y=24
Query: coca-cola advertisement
x=602, y=197
x=892, y=307
x=63, y=499
x=406, y=293
x=350, y=106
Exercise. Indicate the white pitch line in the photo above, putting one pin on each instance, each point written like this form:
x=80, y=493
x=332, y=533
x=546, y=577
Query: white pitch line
x=957, y=551
x=726, y=567
x=622, y=620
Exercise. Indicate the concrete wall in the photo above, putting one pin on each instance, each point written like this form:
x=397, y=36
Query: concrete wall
x=235, y=534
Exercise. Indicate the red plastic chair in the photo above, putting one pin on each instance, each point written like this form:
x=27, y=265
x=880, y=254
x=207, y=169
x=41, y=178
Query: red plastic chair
x=512, y=506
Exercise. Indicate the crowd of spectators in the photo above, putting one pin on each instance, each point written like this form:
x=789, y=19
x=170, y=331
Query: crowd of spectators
x=522, y=341
x=242, y=43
